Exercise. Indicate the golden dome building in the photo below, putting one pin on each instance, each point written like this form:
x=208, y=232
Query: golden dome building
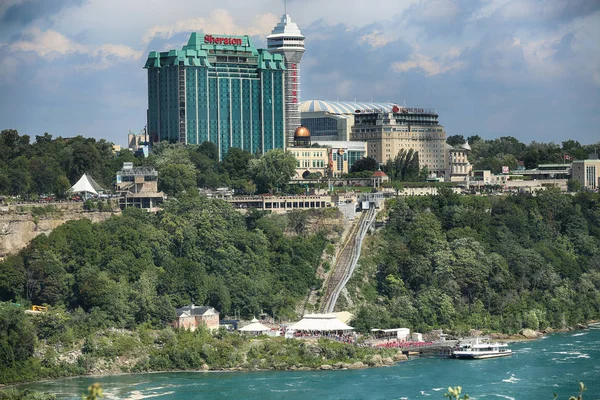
x=323, y=159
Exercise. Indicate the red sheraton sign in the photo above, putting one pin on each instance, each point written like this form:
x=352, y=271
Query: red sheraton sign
x=209, y=39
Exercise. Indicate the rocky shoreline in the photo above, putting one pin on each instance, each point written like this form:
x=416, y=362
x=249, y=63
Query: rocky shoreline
x=382, y=358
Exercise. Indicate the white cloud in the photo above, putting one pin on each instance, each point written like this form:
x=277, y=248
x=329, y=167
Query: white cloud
x=219, y=21
x=50, y=44
x=446, y=62
x=375, y=39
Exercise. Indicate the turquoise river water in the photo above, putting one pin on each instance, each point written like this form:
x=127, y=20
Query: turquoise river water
x=536, y=370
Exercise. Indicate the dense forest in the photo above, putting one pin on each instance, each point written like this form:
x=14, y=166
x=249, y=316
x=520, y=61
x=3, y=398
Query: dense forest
x=500, y=263
x=136, y=267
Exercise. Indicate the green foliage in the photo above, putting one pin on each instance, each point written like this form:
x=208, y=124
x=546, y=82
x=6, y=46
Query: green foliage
x=272, y=170
x=136, y=268
x=365, y=164
x=506, y=151
x=50, y=165
x=454, y=393
x=405, y=167
x=502, y=263
x=26, y=394
x=94, y=392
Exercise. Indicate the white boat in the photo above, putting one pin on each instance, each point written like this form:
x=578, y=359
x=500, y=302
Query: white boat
x=482, y=350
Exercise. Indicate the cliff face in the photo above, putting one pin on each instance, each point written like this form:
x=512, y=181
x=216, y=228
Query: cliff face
x=19, y=225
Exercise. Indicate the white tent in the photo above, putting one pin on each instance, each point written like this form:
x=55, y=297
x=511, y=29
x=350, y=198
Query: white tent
x=321, y=323
x=86, y=184
x=254, y=327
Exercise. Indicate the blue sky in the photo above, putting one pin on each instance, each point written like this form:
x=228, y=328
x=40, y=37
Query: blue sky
x=525, y=68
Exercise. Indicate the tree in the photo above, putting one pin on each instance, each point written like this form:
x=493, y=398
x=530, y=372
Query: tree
x=175, y=179
x=210, y=150
x=236, y=162
x=405, y=167
x=455, y=140
x=272, y=170
x=17, y=335
x=364, y=164
x=573, y=185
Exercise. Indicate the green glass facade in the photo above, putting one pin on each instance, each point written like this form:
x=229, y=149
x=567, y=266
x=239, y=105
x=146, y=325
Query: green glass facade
x=217, y=89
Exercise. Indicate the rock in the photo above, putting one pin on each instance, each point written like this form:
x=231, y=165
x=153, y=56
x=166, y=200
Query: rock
x=376, y=360
x=400, y=357
x=304, y=369
x=293, y=368
x=326, y=367
x=357, y=365
x=530, y=334
x=582, y=326
x=339, y=365
x=388, y=361
x=204, y=367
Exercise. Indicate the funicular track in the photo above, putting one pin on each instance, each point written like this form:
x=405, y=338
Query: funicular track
x=346, y=261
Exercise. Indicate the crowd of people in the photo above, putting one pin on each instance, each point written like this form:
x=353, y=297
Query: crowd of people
x=339, y=336
x=402, y=344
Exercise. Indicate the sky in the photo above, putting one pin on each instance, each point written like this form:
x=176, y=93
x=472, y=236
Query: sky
x=523, y=68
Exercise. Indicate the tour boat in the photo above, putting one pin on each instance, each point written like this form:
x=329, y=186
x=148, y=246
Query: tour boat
x=482, y=350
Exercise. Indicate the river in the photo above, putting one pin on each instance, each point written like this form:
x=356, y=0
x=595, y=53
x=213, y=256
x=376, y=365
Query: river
x=536, y=370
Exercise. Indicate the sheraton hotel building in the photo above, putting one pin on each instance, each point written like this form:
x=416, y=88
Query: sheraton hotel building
x=222, y=89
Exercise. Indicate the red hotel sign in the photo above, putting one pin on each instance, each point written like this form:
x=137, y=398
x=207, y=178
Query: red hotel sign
x=209, y=39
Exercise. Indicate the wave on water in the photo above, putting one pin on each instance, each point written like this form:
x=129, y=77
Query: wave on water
x=437, y=389
x=580, y=334
x=139, y=395
x=503, y=396
x=512, y=379
x=524, y=350
x=424, y=393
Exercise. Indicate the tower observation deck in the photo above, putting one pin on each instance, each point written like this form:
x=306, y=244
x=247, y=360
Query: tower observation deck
x=286, y=39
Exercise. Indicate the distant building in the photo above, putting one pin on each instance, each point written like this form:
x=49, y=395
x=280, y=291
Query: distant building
x=378, y=178
x=324, y=158
x=191, y=317
x=139, y=143
x=138, y=187
x=287, y=39
x=459, y=168
x=547, y=171
x=387, y=133
x=333, y=120
x=587, y=172
x=220, y=89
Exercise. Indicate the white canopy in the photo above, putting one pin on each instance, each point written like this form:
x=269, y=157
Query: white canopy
x=255, y=327
x=320, y=322
x=86, y=184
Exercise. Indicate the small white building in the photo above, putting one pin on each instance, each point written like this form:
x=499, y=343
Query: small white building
x=401, y=334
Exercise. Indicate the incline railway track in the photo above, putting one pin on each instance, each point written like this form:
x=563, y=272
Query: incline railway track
x=346, y=261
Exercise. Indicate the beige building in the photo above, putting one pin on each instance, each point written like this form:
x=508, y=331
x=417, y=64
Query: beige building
x=138, y=187
x=587, y=172
x=324, y=158
x=459, y=168
x=386, y=133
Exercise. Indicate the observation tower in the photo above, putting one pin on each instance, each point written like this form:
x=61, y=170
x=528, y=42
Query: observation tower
x=287, y=40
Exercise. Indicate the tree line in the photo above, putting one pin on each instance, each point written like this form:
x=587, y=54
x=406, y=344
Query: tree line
x=492, y=154
x=52, y=165
x=500, y=263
